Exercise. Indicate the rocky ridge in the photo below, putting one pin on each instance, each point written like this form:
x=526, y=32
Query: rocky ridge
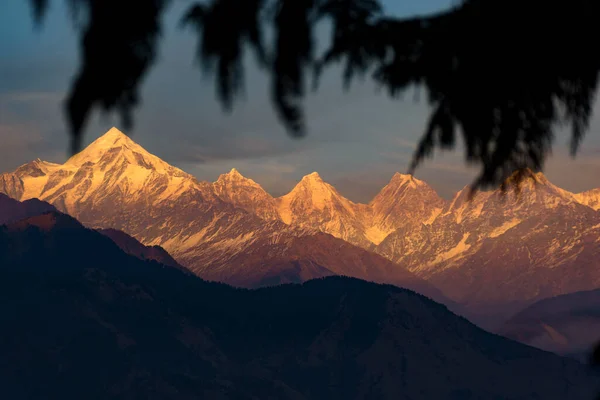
x=499, y=248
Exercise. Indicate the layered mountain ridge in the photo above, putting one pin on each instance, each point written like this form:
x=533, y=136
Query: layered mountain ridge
x=568, y=324
x=229, y=231
x=86, y=320
x=514, y=247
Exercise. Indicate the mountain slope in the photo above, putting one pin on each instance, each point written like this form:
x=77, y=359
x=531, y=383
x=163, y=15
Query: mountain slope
x=404, y=203
x=278, y=255
x=335, y=338
x=12, y=210
x=315, y=204
x=132, y=247
x=246, y=194
x=496, y=253
x=504, y=250
x=112, y=171
x=568, y=324
x=208, y=228
x=114, y=183
x=590, y=198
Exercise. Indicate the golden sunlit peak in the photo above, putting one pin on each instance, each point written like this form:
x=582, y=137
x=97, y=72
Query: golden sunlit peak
x=233, y=174
x=114, y=132
x=406, y=177
x=312, y=176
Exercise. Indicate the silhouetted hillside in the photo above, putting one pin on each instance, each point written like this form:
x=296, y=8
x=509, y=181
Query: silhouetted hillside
x=132, y=247
x=567, y=324
x=13, y=210
x=87, y=321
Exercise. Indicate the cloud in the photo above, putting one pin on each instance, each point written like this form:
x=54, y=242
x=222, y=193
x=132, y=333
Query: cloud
x=31, y=98
x=29, y=128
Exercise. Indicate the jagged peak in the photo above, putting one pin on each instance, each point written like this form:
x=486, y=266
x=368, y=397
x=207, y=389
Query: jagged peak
x=113, y=140
x=533, y=182
x=35, y=168
x=595, y=191
x=38, y=162
x=402, y=179
x=312, y=177
x=399, y=180
x=115, y=133
x=313, y=191
x=234, y=176
x=518, y=180
x=312, y=182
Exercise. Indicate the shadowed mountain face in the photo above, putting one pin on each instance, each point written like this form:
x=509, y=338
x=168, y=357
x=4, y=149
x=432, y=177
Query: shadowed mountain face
x=89, y=321
x=132, y=247
x=567, y=324
x=12, y=210
x=495, y=254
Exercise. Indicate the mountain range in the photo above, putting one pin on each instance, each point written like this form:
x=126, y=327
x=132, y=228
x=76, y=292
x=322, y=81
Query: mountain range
x=87, y=320
x=494, y=255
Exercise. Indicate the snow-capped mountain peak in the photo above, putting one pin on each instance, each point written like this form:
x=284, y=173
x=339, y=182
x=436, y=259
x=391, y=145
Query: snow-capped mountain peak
x=115, y=148
x=313, y=193
x=234, y=174
x=312, y=177
x=313, y=183
x=235, y=178
x=112, y=169
x=246, y=194
x=315, y=203
x=405, y=179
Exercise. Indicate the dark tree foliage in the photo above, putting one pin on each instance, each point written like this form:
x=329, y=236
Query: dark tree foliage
x=502, y=74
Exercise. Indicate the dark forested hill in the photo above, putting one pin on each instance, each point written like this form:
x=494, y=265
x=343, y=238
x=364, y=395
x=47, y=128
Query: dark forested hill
x=83, y=320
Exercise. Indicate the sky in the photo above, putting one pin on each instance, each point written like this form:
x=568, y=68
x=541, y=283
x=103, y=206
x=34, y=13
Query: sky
x=356, y=140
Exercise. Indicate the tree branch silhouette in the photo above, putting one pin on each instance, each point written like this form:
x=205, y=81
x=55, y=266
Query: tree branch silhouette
x=503, y=75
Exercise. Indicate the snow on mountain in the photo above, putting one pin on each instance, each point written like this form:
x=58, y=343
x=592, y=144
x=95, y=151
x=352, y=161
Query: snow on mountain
x=461, y=227
x=314, y=203
x=115, y=183
x=229, y=231
x=246, y=194
x=590, y=198
x=112, y=171
x=405, y=201
x=504, y=248
x=514, y=246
